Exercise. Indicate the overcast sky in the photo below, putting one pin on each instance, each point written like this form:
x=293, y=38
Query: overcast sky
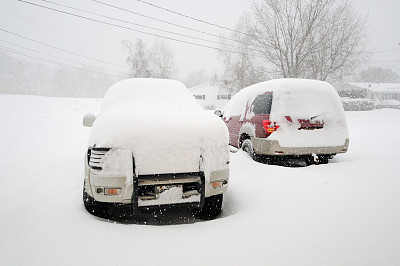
x=103, y=42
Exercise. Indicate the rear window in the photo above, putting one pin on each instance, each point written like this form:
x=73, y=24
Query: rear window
x=262, y=104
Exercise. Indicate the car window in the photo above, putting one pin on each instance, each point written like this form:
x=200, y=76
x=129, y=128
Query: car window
x=262, y=104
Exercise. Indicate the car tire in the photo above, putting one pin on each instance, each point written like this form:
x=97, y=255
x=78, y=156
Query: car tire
x=323, y=159
x=247, y=146
x=212, y=208
x=113, y=211
x=94, y=207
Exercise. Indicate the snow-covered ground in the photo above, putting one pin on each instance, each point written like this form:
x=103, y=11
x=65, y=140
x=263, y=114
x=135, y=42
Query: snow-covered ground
x=343, y=213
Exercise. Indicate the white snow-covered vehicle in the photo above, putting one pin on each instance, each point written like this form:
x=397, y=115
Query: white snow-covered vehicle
x=152, y=145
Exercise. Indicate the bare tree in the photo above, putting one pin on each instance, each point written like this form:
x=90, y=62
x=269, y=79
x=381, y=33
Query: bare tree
x=241, y=66
x=317, y=39
x=162, y=60
x=156, y=62
x=138, y=59
x=378, y=75
x=196, y=77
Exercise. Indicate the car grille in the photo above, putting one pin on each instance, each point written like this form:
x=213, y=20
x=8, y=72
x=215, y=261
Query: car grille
x=95, y=156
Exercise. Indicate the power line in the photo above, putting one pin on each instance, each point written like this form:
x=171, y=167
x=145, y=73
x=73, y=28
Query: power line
x=66, y=51
x=55, y=63
x=383, y=37
x=189, y=17
x=124, y=27
x=385, y=65
x=383, y=51
x=251, y=2
x=57, y=32
x=384, y=62
x=133, y=23
x=61, y=58
x=196, y=19
x=164, y=21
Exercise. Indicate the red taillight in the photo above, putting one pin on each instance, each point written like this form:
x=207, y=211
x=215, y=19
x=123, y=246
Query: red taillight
x=270, y=126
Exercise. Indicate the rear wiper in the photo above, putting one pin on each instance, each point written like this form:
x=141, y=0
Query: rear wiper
x=311, y=118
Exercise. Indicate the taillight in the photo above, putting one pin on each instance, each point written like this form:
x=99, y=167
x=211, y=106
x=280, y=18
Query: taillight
x=270, y=126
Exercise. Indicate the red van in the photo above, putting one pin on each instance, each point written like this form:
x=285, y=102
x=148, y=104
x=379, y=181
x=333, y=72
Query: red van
x=288, y=118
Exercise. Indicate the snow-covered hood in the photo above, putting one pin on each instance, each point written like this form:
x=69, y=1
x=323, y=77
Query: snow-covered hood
x=163, y=137
x=162, y=141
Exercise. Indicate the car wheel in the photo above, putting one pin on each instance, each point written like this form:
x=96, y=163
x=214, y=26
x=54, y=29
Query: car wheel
x=94, y=207
x=323, y=159
x=114, y=211
x=247, y=146
x=309, y=160
x=212, y=208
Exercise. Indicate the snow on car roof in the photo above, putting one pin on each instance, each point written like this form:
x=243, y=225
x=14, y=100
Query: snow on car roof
x=293, y=97
x=299, y=99
x=139, y=91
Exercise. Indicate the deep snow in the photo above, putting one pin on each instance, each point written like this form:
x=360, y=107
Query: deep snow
x=343, y=213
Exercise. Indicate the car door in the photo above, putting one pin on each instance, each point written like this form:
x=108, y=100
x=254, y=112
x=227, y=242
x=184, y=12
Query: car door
x=260, y=110
x=233, y=123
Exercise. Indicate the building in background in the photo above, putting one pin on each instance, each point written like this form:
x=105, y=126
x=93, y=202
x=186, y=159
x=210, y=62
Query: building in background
x=211, y=95
x=359, y=96
x=380, y=91
x=383, y=95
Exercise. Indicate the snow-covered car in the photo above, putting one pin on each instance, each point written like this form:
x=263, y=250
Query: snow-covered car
x=288, y=118
x=152, y=145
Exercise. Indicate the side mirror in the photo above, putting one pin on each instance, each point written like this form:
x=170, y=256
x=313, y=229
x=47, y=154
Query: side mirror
x=218, y=113
x=88, y=120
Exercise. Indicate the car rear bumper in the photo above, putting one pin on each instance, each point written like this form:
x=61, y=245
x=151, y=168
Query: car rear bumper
x=264, y=146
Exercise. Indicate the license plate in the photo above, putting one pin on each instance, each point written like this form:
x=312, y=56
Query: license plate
x=161, y=189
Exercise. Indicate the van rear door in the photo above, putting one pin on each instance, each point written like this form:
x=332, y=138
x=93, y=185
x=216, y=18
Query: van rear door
x=258, y=112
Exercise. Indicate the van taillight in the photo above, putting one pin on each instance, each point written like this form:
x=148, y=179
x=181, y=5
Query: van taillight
x=270, y=126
